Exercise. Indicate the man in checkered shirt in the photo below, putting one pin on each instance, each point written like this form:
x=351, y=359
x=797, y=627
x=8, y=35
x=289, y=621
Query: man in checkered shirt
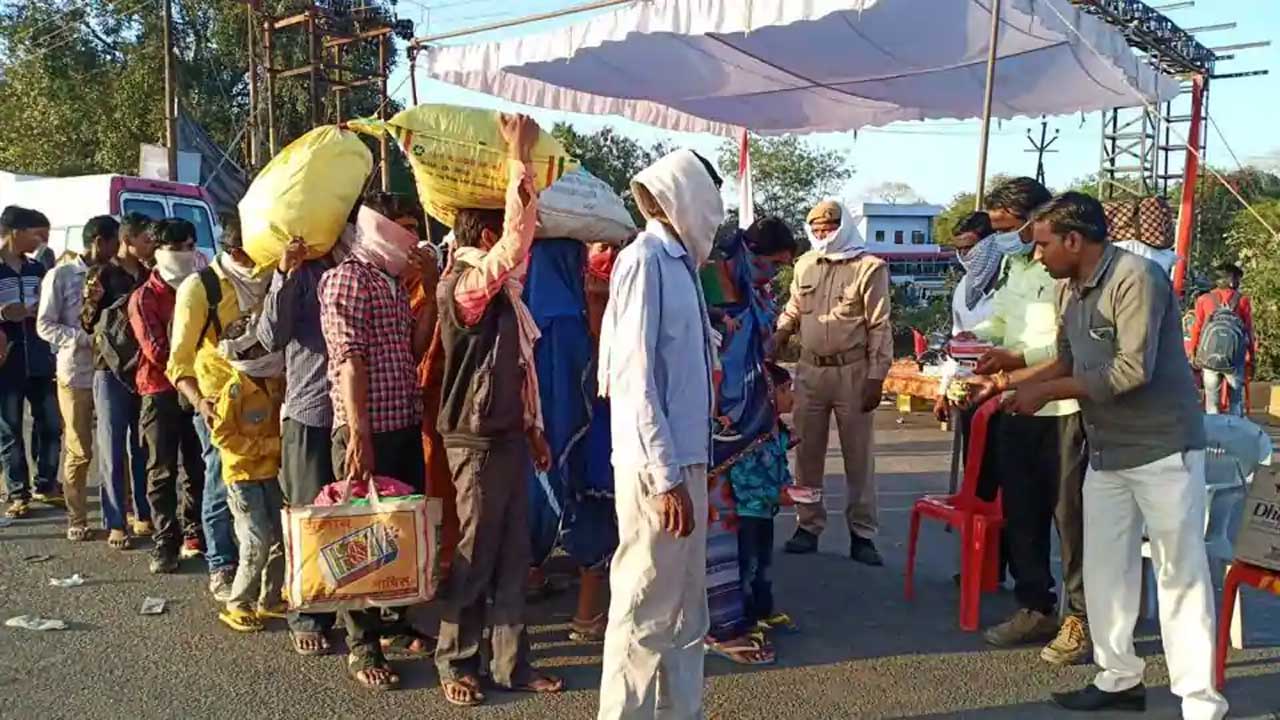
x=374, y=344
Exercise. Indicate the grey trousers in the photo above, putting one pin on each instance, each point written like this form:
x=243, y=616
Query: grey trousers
x=255, y=511
x=487, y=580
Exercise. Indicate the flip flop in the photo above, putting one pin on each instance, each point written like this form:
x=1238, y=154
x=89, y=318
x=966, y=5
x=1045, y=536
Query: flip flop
x=17, y=510
x=357, y=664
x=118, y=540
x=241, y=620
x=778, y=622
x=555, y=685
x=79, y=533
x=743, y=654
x=402, y=644
x=471, y=684
x=321, y=647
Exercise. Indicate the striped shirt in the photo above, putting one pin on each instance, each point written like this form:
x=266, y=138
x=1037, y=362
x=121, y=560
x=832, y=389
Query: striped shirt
x=29, y=355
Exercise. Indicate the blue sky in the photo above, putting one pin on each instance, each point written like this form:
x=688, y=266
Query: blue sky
x=939, y=158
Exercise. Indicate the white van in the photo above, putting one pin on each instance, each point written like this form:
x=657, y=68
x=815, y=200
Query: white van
x=71, y=201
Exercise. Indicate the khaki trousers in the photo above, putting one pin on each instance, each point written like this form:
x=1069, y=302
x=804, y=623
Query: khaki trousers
x=658, y=616
x=821, y=392
x=76, y=406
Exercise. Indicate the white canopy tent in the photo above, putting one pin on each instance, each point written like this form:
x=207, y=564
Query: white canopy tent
x=803, y=66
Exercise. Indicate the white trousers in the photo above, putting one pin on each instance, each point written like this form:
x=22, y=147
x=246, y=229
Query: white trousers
x=1168, y=497
x=653, y=652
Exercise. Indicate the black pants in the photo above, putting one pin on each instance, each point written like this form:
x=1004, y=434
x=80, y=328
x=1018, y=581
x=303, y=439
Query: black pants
x=306, y=466
x=397, y=454
x=755, y=555
x=1042, y=467
x=167, y=437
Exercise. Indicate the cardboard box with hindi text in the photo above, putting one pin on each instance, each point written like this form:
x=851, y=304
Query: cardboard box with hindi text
x=1258, y=542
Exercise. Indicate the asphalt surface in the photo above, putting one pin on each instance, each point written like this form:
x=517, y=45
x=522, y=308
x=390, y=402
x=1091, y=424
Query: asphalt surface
x=862, y=652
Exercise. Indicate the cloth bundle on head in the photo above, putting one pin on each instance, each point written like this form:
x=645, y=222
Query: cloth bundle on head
x=690, y=201
x=846, y=242
x=381, y=242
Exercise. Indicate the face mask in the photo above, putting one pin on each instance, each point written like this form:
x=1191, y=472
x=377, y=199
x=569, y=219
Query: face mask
x=175, y=265
x=1010, y=243
x=382, y=243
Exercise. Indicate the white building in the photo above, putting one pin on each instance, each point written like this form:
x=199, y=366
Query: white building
x=902, y=234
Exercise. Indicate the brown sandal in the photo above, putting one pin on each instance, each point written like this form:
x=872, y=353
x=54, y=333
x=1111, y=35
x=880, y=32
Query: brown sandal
x=359, y=668
x=463, y=692
x=540, y=685
x=118, y=540
x=590, y=630
x=79, y=533
x=310, y=644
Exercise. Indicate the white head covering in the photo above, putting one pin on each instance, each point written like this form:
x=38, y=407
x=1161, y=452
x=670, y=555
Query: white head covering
x=690, y=199
x=845, y=243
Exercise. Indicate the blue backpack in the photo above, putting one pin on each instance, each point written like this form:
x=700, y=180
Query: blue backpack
x=1223, y=340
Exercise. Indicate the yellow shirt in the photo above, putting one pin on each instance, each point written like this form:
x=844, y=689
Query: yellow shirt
x=1025, y=319
x=190, y=353
x=247, y=430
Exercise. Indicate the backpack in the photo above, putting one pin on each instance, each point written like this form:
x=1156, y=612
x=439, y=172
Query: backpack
x=115, y=343
x=1223, y=341
x=212, y=291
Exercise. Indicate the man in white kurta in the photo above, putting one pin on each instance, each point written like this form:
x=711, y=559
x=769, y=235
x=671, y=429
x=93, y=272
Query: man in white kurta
x=655, y=368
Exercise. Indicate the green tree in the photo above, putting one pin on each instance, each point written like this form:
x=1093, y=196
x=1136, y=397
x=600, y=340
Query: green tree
x=959, y=208
x=611, y=156
x=1259, y=255
x=1217, y=211
x=789, y=175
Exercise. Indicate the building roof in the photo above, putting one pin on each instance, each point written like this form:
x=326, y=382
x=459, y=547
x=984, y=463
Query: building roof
x=869, y=209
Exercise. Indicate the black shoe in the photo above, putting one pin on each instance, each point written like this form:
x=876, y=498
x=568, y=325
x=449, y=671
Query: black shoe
x=864, y=551
x=163, y=562
x=1091, y=699
x=802, y=543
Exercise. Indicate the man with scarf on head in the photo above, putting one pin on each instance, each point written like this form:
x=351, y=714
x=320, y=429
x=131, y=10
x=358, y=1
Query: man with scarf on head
x=839, y=305
x=491, y=420
x=655, y=368
x=166, y=428
x=1039, y=458
x=374, y=344
x=58, y=322
x=207, y=302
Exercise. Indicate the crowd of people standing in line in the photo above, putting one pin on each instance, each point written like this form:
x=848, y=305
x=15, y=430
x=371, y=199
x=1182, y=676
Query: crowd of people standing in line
x=222, y=394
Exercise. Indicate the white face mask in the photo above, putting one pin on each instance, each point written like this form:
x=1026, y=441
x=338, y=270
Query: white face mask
x=1010, y=243
x=175, y=265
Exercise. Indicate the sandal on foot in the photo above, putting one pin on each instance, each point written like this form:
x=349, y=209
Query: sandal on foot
x=540, y=684
x=143, y=528
x=362, y=667
x=310, y=644
x=118, y=540
x=17, y=510
x=241, y=620
x=404, y=644
x=588, y=631
x=79, y=533
x=463, y=692
x=778, y=622
x=743, y=651
x=273, y=611
x=54, y=500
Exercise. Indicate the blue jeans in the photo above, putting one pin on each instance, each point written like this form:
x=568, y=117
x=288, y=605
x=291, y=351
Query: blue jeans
x=46, y=436
x=220, y=544
x=755, y=555
x=1235, y=391
x=119, y=451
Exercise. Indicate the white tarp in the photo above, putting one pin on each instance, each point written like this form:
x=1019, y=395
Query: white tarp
x=799, y=66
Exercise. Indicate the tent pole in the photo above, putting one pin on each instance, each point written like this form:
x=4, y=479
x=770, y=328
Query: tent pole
x=986, y=103
x=1190, y=175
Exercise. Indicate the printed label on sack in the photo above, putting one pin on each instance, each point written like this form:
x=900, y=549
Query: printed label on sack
x=376, y=557
x=358, y=554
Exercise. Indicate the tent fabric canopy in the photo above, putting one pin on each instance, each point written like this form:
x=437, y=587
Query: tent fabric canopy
x=802, y=66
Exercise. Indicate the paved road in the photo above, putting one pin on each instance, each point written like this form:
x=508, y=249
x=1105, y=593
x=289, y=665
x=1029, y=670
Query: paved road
x=862, y=653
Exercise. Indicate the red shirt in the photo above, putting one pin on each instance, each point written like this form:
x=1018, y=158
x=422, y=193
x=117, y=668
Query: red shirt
x=150, y=315
x=1209, y=302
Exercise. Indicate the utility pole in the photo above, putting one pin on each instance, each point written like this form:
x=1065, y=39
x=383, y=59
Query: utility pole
x=1042, y=147
x=254, y=146
x=170, y=92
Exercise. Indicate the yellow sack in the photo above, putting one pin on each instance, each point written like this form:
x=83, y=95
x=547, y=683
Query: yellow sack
x=306, y=191
x=459, y=157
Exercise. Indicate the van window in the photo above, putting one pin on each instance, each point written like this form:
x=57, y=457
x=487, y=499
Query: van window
x=153, y=209
x=197, y=215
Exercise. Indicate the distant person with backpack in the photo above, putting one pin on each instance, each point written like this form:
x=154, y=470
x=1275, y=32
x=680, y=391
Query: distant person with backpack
x=167, y=431
x=1223, y=340
x=104, y=315
x=58, y=322
x=207, y=302
x=26, y=367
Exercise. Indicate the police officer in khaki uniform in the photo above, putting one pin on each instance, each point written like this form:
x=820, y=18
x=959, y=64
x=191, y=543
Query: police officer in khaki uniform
x=840, y=307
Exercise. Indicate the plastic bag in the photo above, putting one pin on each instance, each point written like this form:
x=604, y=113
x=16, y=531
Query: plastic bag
x=306, y=191
x=582, y=207
x=459, y=157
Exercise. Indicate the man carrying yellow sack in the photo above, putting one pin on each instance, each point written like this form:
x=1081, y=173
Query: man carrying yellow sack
x=246, y=429
x=206, y=303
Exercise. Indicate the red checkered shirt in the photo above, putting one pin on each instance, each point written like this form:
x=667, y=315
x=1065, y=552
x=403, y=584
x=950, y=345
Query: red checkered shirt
x=365, y=314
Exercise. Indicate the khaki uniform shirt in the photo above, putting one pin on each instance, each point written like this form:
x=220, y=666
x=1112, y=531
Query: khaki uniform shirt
x=841, y=308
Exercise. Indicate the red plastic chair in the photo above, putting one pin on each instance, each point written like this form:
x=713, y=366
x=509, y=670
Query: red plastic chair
x=979, y=522
x=1239, y=574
